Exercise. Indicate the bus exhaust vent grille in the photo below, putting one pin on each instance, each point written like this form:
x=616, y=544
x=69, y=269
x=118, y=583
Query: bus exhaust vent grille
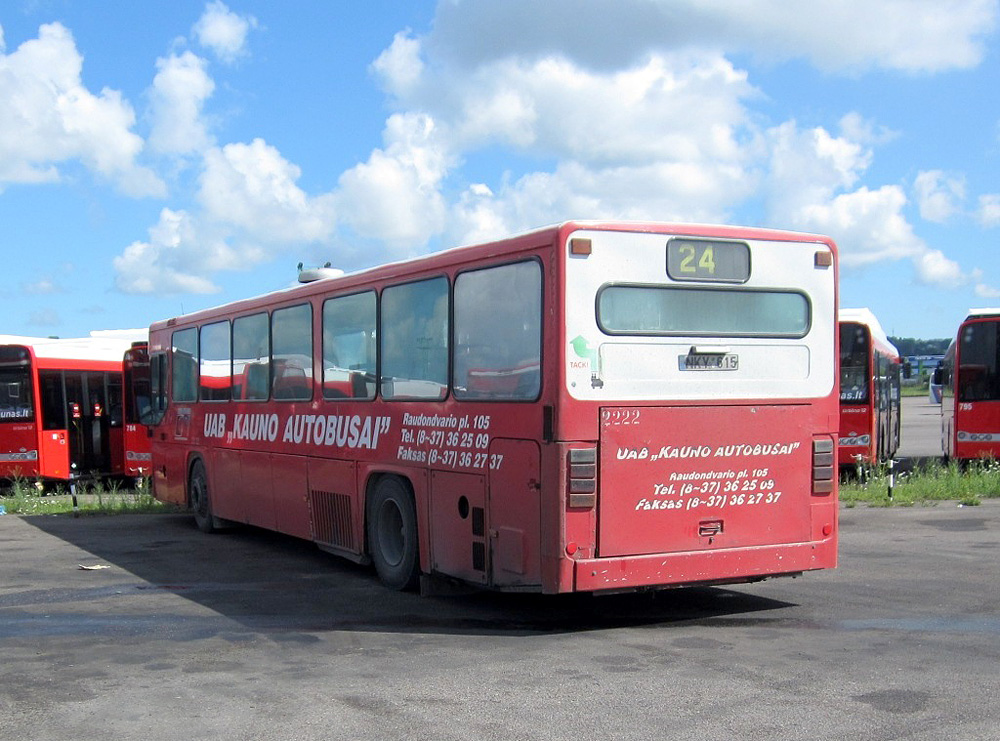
x=332, y=519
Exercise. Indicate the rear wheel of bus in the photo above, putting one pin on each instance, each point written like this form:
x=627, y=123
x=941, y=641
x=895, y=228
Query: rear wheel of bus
x=199, y=498
x=392, y=533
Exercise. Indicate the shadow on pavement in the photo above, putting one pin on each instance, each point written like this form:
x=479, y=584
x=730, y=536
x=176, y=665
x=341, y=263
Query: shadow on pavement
x=281, y=585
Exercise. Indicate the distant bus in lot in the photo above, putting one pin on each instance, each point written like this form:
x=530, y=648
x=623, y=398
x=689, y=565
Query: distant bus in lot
x=586, y=407
x=970, y=393
x=63, y=413
x=870, y=372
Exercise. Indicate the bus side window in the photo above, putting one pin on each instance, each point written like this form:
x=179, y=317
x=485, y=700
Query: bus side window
x=349, y=333
x=414, y=340
x=498, y=332
x=184, y=374
x=251, y=357
x=292, y=353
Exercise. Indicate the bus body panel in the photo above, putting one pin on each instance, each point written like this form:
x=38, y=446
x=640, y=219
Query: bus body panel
x=21, y=450
x=696, y=478
x=501, y=498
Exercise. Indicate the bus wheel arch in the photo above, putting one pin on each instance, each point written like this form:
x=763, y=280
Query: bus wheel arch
x=391, y=530
x=199, y=496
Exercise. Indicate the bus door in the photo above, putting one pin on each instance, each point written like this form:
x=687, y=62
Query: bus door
x=87, y=405
x=56, y=438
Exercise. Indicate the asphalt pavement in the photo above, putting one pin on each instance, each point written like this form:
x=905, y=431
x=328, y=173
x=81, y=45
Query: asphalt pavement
x=141, y=627
x=920, y=428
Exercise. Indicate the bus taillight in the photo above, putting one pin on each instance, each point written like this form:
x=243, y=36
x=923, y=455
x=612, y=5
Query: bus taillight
x=822, y=469
x=582, y=470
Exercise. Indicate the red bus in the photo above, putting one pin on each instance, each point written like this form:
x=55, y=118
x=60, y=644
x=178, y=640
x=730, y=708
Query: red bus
x=970, y=393
x=63, y=412
x=870, y=385
x=136, y=407
x=586, y=407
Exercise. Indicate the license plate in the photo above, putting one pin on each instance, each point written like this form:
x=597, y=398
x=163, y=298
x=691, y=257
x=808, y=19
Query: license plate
x=729, y=361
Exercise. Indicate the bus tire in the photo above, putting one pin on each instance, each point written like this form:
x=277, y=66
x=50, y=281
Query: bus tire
x=392, y=533
x=199, y=498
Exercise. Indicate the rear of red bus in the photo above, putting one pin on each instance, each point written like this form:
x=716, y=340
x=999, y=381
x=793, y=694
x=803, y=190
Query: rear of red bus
x=971, y=392
x=699, y=415
x=137, y=395
x=28, y=449
x=857, y=433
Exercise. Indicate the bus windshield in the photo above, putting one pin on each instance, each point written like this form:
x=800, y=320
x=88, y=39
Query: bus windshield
x=15, y=395
x=978, y=375
x=853, y=363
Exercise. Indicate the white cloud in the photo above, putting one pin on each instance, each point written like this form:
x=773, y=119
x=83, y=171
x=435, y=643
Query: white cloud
x=250, y=209
x=938, y=195
x=984, y=291
x=989, y=210
x=395, y=196
x=179, y=92
x=42, y=286
x=251, y=188
x=836, y=35
x=400, y=66
x=50, y=119
x=810, y=173
x=174, y=259
x=223, y=31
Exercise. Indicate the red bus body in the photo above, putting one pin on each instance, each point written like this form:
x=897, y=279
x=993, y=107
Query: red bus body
x=135, y=436
x=588, y=407
x=970, y=392
x=62, y=410
x=870, y=387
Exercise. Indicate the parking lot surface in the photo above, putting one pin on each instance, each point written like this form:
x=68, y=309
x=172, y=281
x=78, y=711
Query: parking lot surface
x=250, y=635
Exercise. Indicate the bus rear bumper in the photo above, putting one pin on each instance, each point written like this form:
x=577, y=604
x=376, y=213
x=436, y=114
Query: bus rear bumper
x=725, y=566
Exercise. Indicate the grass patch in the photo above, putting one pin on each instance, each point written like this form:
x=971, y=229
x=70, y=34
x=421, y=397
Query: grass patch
x=931, y=482
x=24, y=497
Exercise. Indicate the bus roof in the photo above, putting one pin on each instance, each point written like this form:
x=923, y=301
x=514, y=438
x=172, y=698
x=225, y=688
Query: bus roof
x=982, y=313
x=866, y=317
x=319, y=280
x=101, y=345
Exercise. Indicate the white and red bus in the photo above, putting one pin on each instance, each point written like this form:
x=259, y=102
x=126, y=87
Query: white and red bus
x=970, y=393
x=586, y=407
x=63, y=410
x=870, y=389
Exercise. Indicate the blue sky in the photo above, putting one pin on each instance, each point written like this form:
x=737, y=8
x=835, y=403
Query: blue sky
x=159, y=158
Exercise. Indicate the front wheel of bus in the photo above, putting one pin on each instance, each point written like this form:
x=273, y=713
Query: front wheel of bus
x=392, y=534
x=201, y=504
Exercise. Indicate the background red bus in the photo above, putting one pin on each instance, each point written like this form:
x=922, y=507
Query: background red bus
x=586, y=407
x=970, y=393
x=63, y=411
x=870, y=387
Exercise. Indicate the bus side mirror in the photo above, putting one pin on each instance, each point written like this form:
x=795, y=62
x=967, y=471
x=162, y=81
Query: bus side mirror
x=936, y=377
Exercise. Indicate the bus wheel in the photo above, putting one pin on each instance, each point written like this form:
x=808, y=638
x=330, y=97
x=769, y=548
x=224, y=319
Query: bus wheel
x=392, y=533
x=201, y=504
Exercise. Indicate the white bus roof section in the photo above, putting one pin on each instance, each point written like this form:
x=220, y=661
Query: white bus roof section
x=101, y=345
x=866, y=317
x=980, y=313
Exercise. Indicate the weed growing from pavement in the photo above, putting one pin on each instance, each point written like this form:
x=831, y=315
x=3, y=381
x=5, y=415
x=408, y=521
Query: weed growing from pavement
x=928, y=483
x=28, y=497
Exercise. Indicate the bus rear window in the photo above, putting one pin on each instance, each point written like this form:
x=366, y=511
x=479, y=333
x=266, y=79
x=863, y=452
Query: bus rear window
x=706, y=312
